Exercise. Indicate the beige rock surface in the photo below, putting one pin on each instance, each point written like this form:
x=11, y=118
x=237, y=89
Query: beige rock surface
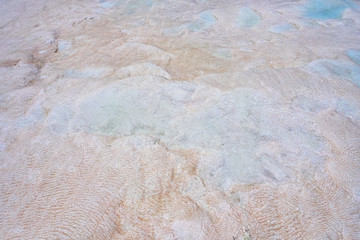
x=149, y=119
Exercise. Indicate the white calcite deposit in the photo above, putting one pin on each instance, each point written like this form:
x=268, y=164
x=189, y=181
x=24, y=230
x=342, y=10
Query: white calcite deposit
x=158, y=119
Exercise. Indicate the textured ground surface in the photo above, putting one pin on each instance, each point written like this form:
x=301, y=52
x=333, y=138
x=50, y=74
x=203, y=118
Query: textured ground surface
x=159, y=119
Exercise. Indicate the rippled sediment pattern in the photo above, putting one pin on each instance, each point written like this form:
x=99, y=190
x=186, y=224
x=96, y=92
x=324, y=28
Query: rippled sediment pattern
x=198, y=119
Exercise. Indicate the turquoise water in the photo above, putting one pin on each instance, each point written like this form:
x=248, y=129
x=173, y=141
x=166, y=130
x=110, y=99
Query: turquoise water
x=332, y=68
x=354, y=55
x=325, y=9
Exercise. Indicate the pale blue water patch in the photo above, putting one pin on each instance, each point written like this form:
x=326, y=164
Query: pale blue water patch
x=282, y=28
x=354, y=55
x=205, y=20
x=59, y=118
x=109, y=113
x=157, y=110
x=332, y=68
x=125, y=110
x=347, y=108
x=64, y=45
x=172, y=31
x=326, y=9
x=185, y=115
x=137, y=5
x=31, y=118
x=88, y=72
x=248, y=18
x=222, y=53
x=109, y=4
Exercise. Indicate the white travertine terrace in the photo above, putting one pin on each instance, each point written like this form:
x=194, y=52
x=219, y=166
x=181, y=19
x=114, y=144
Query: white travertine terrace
x=159, y=119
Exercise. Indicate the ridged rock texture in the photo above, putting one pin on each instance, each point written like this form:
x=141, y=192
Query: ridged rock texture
x=159, y=119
